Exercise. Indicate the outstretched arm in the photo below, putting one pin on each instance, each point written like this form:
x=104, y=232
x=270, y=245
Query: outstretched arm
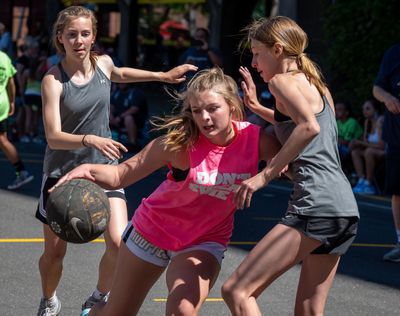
x=151, y=158
x=127, y=74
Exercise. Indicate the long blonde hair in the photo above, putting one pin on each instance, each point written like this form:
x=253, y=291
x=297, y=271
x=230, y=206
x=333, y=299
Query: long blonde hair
x=64, y=17
x=283, y=30
x=181, y=128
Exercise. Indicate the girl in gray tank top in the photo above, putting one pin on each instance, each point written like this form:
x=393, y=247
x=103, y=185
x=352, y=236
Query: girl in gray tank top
x=322, y=216
x=76, y=98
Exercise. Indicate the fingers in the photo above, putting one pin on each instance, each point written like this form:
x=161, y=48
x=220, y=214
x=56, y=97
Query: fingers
x=189, y=67
x=243, y=197
x=59, y=182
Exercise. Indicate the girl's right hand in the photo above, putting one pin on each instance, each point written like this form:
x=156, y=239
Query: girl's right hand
x=80, y=172
x=249, y=89
x=107, y=146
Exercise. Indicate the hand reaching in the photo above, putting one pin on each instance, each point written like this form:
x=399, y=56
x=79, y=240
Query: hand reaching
x=80, y=172
x=246, y=189
x=177, y=74
x=249, y=89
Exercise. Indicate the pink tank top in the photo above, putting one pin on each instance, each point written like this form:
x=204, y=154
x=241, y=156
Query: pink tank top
x=200, y=209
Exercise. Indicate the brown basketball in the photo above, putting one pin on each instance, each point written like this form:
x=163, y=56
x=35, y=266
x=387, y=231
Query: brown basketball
x=78, y=211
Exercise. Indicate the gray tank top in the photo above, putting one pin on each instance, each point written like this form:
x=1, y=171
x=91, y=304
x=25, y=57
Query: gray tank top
x=84, y=109
x=320, y=186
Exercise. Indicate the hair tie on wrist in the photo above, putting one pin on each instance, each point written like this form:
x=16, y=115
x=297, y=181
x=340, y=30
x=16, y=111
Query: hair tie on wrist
x=83, y=140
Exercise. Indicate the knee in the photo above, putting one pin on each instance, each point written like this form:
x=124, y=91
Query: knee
x=231, y=293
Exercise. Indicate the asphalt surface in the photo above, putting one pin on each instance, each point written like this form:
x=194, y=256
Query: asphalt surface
x=364, y=285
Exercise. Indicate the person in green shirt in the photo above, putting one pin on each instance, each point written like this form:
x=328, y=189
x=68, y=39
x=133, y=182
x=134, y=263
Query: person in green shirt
x=7, y=107
x=348, y=128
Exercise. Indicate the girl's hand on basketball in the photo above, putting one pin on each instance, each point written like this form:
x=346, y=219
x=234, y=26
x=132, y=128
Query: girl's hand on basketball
x=107, y=146
x=249, y=89
x=245, y=190
x=177, y=74
x=80, y=172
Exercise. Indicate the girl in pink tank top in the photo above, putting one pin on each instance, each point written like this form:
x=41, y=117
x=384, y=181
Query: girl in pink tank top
x=187, y=221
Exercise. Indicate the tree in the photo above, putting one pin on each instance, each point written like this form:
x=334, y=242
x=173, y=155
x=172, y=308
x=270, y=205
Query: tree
x=359, y=32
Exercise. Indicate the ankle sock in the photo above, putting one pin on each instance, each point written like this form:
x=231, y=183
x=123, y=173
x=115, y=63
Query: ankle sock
x=398, y=236
x=98, y=295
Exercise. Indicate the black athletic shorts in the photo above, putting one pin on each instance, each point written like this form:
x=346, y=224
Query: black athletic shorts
x=392, y=165
x=335, y=233
x=47, y=183
x=4, y=126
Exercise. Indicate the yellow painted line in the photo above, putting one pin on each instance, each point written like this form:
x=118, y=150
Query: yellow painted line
x=30, y=240
x=209, y=299
x=373, y=245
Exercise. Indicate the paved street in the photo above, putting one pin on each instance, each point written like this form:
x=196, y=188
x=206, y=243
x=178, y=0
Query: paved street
x=365, y=285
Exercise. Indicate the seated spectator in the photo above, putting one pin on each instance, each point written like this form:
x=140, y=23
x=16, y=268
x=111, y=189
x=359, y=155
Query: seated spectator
x=128, y=111
x=367, y=153
x=348, y=130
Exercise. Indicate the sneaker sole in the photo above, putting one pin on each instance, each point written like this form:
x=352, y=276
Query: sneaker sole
x=27, y=180
x=391, y=260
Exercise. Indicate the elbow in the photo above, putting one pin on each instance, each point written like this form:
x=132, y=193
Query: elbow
x=52, y=144
x=311, y=130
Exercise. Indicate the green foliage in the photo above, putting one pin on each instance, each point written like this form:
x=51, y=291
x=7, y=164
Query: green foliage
x=359, y=32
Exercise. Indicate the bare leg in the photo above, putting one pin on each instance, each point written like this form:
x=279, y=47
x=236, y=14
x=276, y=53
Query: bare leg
x=131, y=128
x=372, y=156
x=8, y=148
x=51, y=262
x=358, y=162
x=277, y=252
x=316, y=278
x=134, y=278
x=190, y=276
x=112, y=236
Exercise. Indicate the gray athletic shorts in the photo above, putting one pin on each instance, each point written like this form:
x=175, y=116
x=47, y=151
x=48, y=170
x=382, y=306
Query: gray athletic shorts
x=335, y=233
x=47, y=183
x=146, y=251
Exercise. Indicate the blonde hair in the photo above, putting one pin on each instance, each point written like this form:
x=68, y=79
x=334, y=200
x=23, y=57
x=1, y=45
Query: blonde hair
x=65, y=17
x=182, y=130
x=283, y=30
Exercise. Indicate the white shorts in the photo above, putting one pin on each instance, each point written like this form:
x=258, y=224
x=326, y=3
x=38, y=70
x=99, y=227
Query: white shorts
x=146, y=251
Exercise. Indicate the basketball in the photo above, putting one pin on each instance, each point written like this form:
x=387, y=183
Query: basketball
x=78, y=211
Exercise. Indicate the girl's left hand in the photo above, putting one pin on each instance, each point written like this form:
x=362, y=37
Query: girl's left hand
x=246, y=189
x=249, y=89
x=177, y=74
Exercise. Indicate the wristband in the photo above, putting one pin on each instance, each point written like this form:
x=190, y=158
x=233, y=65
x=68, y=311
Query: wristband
x=83, y=140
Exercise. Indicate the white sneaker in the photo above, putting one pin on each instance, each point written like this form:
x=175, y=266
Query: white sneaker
x=22, y=178
x=49, y=308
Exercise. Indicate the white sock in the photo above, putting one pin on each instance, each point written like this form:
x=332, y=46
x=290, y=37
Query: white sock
x=398, y=236
x=98, y=295
x=51, y=299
